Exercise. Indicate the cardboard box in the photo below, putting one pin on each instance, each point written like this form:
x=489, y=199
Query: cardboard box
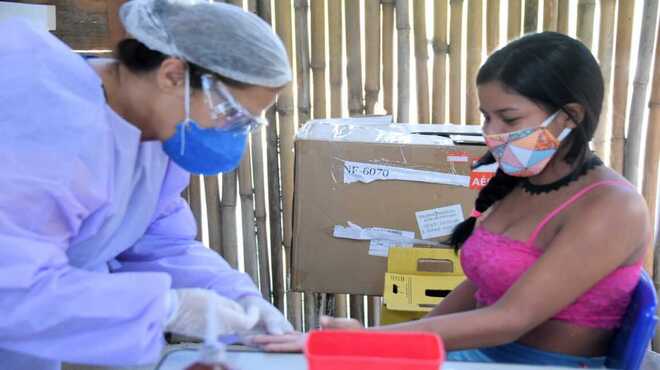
x=331, y=197
x=409, y=292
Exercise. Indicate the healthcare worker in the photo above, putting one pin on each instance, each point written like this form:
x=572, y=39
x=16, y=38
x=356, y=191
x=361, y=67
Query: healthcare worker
x=98, y=256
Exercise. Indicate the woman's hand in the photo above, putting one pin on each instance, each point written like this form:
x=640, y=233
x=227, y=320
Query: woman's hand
x=295, y=342
x=328, y=322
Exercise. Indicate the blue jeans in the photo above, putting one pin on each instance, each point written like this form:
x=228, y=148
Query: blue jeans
x=514, y=353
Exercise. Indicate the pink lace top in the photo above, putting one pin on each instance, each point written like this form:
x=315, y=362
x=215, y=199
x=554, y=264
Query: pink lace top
x=494, y=262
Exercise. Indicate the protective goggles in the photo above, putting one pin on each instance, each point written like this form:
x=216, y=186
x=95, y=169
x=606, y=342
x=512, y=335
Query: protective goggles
x=226, y=112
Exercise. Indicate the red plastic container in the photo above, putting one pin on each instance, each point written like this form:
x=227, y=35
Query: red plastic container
x=368, y=350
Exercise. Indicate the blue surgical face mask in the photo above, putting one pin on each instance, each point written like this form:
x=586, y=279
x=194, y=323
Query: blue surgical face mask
x=206, y=151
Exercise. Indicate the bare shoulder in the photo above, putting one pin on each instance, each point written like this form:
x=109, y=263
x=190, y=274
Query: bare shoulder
x=615, y=211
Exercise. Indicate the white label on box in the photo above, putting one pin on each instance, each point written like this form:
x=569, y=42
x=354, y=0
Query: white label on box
x=380, y=247
x=382, y=239
x=367, y=173
x=438, y=222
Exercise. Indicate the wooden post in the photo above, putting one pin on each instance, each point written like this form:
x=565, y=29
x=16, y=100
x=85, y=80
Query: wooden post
x=563, y=16
x=372, y=35
x=455, y=52
x=585, y=22
x=637, y=107
x=474, y=46
x=403, y=60
x=260, y=212
x=620, y=92
x=287, y=125
x=605, y=53
x=196, y=203
x=246, y=194
x=336, y=53
x=440, y=51
x=388, y=56
x=421, y=59
x=353, y=51
x=228, y=209
x=318, y=57
x=212, y=189
x=550, y=15
x=514, y=26
x=492, y=25
x=531, y=19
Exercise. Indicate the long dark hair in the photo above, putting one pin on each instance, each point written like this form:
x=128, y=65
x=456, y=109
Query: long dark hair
x=552, y=70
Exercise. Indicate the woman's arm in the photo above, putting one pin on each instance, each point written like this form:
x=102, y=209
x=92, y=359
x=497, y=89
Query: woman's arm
x=460, y=299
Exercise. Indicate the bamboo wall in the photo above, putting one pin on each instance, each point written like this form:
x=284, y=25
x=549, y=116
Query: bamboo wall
x=415, y=60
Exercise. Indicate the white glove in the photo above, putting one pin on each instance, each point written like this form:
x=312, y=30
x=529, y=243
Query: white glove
x=271, y=320
x=189, y=310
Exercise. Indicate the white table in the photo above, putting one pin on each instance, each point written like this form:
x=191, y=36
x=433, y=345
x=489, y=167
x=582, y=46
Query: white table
x=251, y=360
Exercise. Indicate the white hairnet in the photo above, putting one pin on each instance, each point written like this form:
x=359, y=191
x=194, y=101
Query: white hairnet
x=220, y=37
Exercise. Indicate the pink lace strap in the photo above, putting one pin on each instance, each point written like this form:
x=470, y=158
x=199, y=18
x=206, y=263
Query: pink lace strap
x=569, y=202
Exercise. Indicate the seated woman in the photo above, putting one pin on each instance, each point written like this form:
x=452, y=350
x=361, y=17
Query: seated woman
x=559, y=239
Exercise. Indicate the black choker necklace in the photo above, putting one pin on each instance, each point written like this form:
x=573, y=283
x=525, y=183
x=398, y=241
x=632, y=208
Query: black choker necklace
x=578, y=172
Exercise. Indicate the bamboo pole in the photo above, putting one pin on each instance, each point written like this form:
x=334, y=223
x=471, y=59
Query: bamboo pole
x=531, y=19
x=492, y=25
x=336, y=80
x=372, y=56
x=455, y=52
x=421, y=67
x=336, y=51
x=196, y=203
x=320, y=111
x=353, y=51
x=318, y=57
x=620, y=91
x=585, y=22
x=403, y=60
x=652, y=160
x=388, y=56
x=228, y=209
x=563, y=16
x=302, y=58
x=514, y=26
x=651, y=163
x=260, y=212
x=373, y=311
x=475, y=10
x=246, y=194
x=252, y=6
x=287, y=131
x=274, y=196
x=640, y=85
x=357, y=307
x=605, y=53
x=212, y=189
x=275, y=212
x=440, y=51
x=550, y=15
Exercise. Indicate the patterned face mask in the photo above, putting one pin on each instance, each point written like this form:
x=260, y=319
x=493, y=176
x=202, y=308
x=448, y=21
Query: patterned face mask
x=526, y=152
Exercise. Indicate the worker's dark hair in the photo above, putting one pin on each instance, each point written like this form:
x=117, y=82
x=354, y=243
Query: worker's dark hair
x=552, y=70
x=138, y=58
